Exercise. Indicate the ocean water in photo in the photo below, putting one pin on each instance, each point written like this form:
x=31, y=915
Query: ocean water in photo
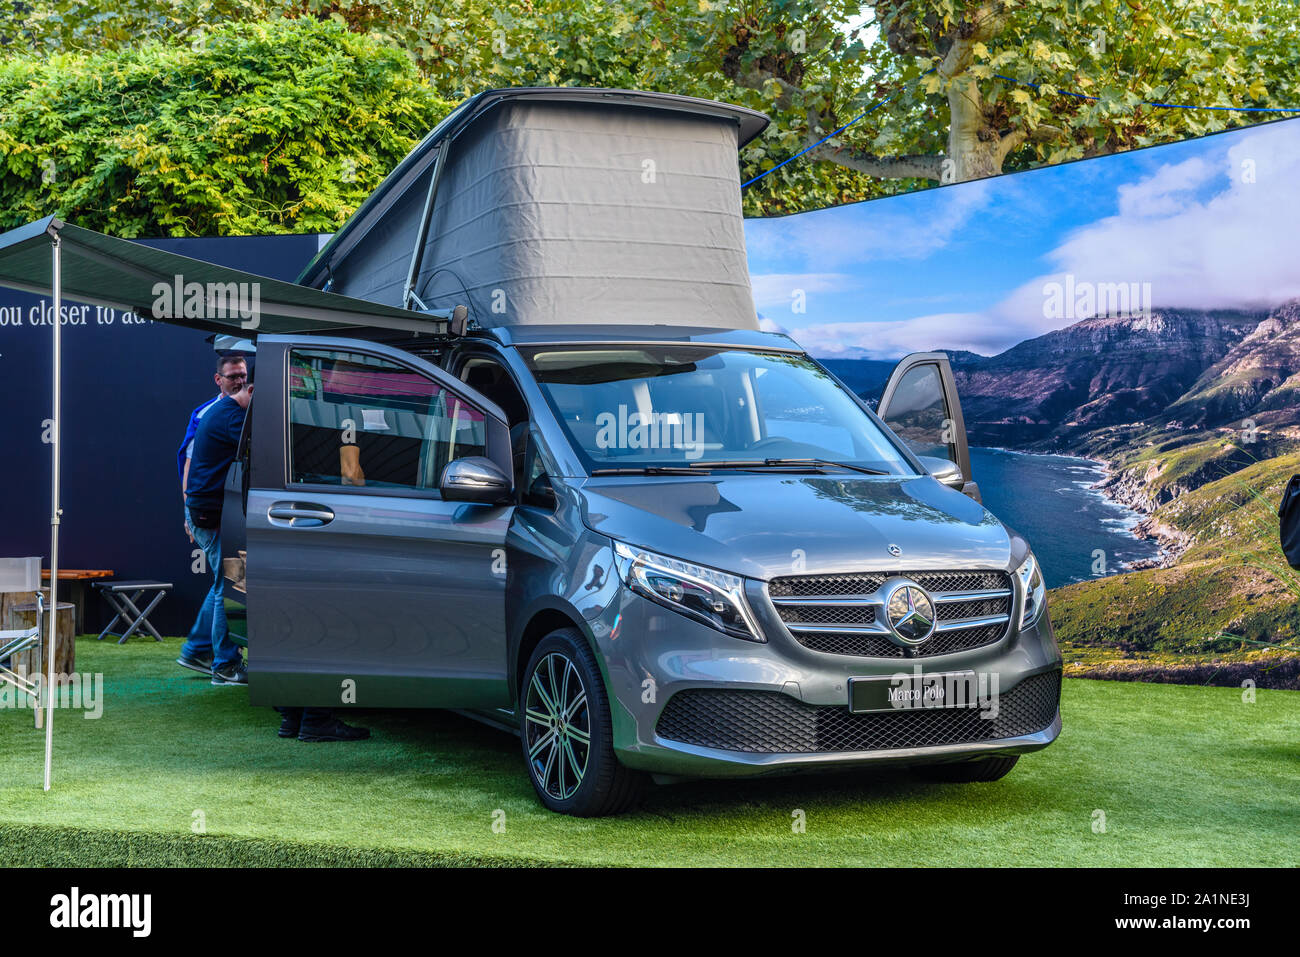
x=1047, y=499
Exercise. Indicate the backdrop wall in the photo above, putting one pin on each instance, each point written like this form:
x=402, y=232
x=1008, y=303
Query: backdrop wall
x=128, y=388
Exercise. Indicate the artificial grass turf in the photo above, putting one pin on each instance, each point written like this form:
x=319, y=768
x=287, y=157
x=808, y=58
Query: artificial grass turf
x=1183, y=775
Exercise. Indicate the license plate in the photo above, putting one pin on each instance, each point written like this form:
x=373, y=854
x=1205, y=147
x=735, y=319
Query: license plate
x=905, y=692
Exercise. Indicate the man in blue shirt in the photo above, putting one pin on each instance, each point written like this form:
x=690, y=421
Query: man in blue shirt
x=232, y=373
x=216, y=443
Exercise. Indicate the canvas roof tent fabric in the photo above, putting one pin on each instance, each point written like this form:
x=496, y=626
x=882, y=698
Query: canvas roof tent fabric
x=570, y=206
x=107, y=271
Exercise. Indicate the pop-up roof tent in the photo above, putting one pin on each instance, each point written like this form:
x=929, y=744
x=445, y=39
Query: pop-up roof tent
x=560, y=206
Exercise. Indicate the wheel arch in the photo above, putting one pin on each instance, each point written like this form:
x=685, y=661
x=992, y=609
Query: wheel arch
x=540, y=622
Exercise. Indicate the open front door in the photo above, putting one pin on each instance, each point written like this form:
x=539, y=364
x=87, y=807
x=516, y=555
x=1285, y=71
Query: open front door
x=920, y=404
x=365, y=586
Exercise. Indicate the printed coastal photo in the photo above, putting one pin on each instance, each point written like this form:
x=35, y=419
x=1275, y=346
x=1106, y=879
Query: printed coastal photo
x=1124, y=334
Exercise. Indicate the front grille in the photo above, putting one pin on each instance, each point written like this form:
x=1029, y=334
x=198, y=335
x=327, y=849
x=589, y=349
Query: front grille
x=769, y=722
x=854, y=583
x=975, y=608
x=828, y=614
x=960, y=639
x=859, y=587
x=847, y=643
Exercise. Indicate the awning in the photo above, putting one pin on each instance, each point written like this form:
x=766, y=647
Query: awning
x=105, y=271
x=67, y=262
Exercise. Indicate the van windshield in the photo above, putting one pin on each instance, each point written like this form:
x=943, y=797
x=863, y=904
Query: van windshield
x=675, y=406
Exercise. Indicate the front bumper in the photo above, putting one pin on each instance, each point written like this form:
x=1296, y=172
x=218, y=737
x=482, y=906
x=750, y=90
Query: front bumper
x=688, y=700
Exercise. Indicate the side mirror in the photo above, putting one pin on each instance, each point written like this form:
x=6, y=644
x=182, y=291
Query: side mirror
x=474, y=479
x=541, y=493
x=945, y=471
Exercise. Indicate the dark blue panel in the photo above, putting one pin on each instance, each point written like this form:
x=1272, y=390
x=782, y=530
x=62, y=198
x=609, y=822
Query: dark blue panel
x=128, y=389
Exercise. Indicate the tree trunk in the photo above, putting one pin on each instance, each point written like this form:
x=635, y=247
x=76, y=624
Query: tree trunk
x=969, y=156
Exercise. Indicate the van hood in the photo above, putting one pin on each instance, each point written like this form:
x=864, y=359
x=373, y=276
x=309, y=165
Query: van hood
x=764, y=526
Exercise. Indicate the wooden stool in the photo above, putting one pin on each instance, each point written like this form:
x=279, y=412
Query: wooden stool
x=75, y=580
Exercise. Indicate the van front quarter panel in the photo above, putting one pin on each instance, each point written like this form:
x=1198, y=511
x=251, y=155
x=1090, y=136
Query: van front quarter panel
x=561, y=575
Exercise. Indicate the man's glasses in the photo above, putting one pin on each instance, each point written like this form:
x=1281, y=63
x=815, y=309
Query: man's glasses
x=234, y=378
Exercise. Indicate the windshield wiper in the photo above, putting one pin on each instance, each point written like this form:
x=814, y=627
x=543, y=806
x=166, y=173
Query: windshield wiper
x=784, y=463
x=646, y=470
x=825, y=462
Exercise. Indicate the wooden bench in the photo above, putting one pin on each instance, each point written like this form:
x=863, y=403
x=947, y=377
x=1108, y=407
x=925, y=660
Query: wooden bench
x=78, y=580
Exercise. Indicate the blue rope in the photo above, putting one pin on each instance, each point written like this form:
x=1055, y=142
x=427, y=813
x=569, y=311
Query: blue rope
x=1077, y=96
x=1167, y=106
x=877, y=105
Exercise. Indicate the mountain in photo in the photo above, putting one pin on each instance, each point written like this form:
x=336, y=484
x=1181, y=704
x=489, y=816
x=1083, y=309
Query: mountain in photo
x=1175, y=368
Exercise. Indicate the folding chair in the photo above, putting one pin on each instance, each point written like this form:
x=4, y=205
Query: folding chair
x=123, y=597
x=22, y=575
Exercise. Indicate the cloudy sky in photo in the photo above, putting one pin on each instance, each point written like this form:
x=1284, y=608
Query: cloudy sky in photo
x=1209, y=223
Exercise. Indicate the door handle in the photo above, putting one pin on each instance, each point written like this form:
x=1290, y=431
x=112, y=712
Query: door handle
x=299, y=514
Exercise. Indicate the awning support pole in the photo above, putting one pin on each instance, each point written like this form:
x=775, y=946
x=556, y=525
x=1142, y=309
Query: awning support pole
x=50, y=687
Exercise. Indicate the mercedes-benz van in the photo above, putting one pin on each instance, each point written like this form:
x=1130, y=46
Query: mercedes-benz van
x=518, y=447
x=650, y=551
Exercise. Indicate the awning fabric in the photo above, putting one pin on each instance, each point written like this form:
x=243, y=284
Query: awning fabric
x=105, y=271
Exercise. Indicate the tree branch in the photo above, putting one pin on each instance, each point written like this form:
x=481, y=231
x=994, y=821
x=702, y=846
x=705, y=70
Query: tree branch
x=885, y=167
x=923, y=166
x=1012, y=141
x=903, y=37
x=985, y=23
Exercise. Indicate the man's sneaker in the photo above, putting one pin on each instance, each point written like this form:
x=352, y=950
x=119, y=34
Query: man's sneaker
x=331, y=729
x=290, y=722
x=202, y=665
x=232, y=674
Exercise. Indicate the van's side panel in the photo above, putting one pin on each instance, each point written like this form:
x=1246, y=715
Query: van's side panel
x=401, y=597
x=396, y=599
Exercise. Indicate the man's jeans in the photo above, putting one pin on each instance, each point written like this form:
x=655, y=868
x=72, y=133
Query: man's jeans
x=209, y=635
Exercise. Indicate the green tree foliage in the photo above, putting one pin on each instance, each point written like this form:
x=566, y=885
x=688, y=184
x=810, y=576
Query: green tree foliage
x=284, y=126
x=468, y=46
x=953, y=119
x=813, y=65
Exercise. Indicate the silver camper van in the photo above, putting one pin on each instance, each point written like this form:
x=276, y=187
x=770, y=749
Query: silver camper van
x=519, y=447
x=601, y=507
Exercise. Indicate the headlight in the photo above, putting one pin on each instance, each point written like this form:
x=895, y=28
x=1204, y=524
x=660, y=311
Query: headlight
x=709, y=596
x=1032, y=590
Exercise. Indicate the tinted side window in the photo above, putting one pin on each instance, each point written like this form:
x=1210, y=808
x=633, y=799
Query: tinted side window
x=356, y=419
x=918, y=413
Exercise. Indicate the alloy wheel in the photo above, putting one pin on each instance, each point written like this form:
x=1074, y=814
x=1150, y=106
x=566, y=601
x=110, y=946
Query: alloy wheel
x=557, y=726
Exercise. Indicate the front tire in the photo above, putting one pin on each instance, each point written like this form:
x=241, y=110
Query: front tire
x=567, y=733
x=966, y=772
